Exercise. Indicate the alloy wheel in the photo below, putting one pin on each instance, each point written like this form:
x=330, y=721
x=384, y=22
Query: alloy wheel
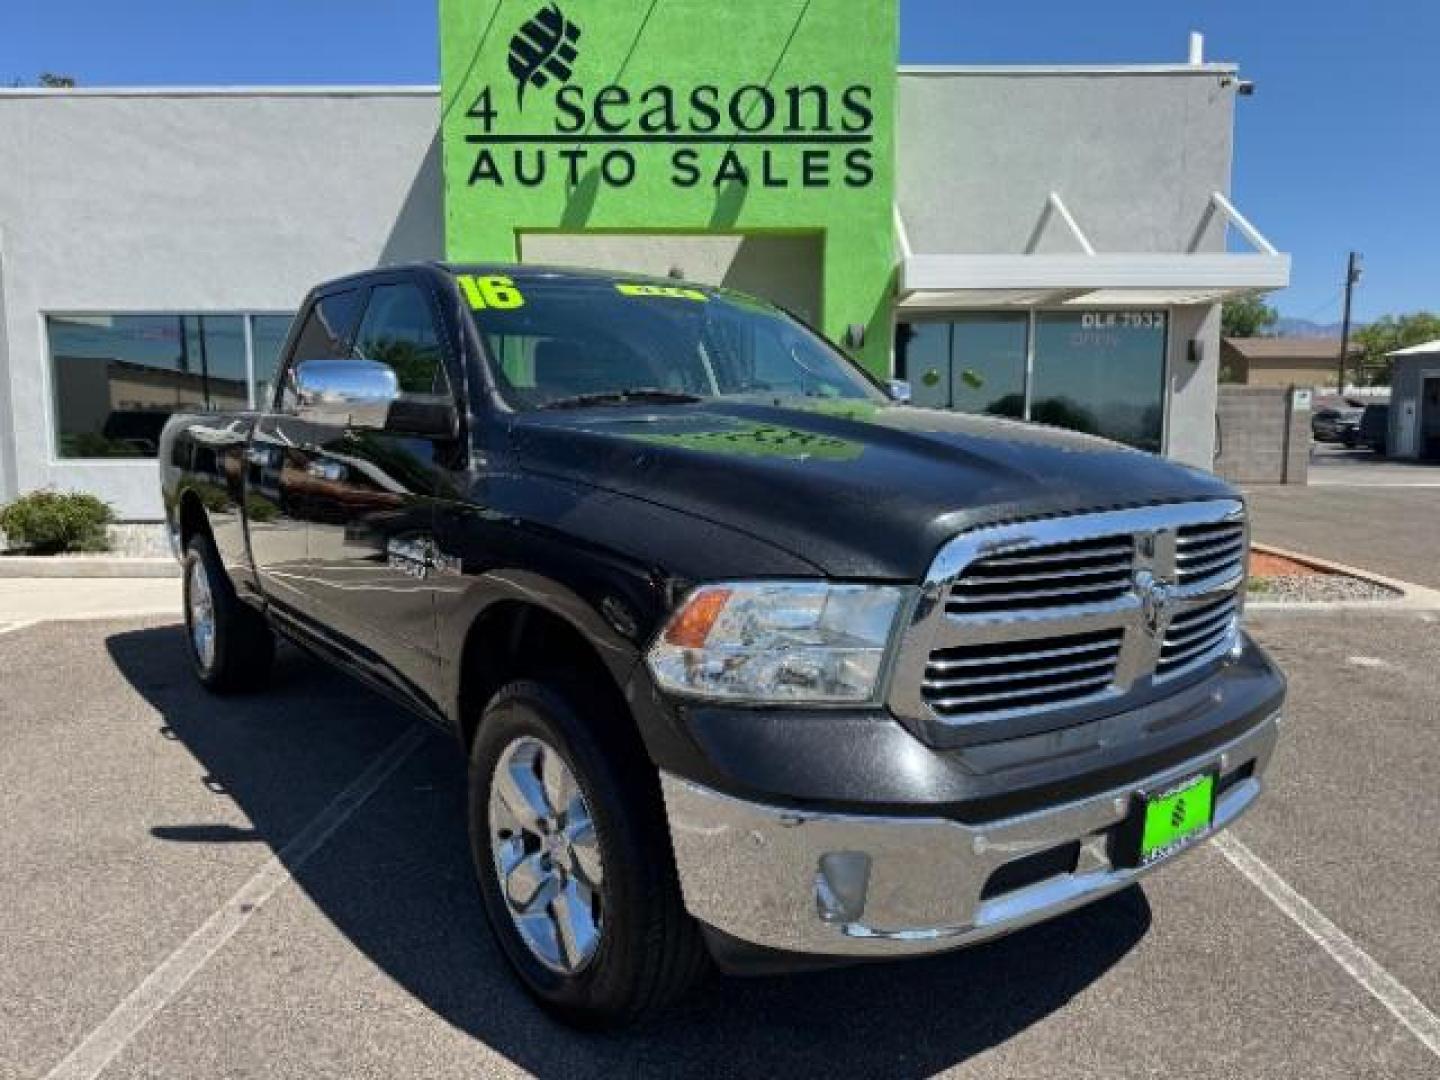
x=546, y=855
x=202, y=615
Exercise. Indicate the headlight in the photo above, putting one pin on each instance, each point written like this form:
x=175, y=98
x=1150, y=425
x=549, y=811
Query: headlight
x=778, y=642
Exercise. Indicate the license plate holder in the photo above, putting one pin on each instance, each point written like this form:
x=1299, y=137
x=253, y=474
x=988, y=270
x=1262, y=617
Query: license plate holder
x=1165, y=821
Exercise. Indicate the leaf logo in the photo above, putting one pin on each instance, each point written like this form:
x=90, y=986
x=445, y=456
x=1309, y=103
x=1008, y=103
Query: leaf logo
x=544, y=49
x=1177, y=815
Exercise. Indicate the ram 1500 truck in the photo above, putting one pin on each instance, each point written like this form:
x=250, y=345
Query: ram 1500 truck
x=754, y=664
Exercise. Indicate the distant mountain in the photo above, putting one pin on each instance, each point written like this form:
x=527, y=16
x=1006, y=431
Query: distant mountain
x=1305, y=328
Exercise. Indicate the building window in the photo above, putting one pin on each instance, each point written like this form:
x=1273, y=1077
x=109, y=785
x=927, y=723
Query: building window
x=974, y=362
x=118, y=378
x=1101, y=372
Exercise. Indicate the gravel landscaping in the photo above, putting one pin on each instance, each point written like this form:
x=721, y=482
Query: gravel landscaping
x=1279, y=579
x=1316, y=588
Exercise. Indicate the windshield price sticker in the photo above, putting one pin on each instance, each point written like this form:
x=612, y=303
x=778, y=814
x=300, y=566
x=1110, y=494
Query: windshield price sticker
x=671, y=292
x=494, y=292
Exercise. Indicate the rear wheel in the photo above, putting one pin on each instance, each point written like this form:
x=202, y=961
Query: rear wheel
x=231, y=646
x=574, y=859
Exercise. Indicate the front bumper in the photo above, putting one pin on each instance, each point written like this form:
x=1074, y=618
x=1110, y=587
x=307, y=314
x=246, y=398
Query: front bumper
x=870, y=886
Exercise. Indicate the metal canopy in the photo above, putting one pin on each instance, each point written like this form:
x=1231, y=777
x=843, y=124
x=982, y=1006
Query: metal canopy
x=1090, y=278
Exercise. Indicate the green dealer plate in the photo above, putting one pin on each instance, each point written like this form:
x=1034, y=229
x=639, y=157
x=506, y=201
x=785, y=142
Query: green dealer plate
x=1175, y=817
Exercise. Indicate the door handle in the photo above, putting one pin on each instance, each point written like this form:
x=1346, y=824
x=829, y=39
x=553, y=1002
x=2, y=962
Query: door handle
x=326, y=470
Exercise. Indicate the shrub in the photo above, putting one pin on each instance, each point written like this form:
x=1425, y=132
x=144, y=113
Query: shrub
x=49, y=522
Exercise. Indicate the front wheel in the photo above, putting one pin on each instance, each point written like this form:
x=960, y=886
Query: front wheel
x=573, y=854
x=231, y=647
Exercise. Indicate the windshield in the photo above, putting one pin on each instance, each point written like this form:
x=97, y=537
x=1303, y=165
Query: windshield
x=558, y=341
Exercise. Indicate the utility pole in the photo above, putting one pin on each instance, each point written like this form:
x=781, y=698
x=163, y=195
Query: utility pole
x=1353, y=272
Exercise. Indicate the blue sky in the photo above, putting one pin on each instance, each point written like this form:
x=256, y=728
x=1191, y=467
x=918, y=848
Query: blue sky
x=1337, y=149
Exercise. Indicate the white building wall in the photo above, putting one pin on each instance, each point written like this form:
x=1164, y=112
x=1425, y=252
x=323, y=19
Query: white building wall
x=214, y=201
x=1135, y=153
x=202, y=201
x=1193, y=386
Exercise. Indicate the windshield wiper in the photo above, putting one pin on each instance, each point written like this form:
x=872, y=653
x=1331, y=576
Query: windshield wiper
x=622, y=397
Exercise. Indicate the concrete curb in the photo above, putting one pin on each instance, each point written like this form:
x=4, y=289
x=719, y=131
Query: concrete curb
x=85, y=566
x=1412, y=599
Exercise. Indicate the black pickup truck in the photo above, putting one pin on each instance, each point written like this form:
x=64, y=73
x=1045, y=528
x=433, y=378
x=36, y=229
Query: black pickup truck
x=753, y=663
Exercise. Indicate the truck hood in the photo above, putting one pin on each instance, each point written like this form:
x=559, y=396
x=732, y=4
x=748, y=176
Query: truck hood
x=857, y=489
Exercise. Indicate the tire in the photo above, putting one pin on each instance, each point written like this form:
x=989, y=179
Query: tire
x=642, y=950
x=241, y=646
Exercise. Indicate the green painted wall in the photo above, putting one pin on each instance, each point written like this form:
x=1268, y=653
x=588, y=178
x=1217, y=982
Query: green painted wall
x=685, y=116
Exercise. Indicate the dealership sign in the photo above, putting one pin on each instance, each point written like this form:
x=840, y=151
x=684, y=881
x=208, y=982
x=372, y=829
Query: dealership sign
x=712, y=133
x=673, y=117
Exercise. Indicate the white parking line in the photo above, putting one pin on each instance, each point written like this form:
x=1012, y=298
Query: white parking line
x=1356, y=962
x=160, y=987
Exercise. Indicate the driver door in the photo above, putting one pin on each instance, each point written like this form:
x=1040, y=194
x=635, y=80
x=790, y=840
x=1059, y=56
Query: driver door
x=371, y=528
x=281, y=485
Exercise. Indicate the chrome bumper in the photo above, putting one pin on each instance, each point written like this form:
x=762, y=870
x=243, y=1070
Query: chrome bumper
x=841, y=885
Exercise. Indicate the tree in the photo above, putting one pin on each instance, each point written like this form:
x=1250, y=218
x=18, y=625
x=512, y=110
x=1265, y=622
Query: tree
x=1390, y=333
x=52, y=81
x=1247, y=317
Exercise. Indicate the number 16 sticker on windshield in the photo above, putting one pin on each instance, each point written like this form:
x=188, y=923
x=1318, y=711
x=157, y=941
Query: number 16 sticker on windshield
x=495, y=292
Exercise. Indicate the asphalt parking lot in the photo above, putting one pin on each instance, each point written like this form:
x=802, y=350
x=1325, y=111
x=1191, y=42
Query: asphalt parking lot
x=1336, y=466
x=1360, y=510
x=135, y=808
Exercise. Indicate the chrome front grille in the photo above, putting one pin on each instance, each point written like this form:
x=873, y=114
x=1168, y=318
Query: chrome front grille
x=978, y=679
x=1208, y=551
x=1077, y=572
x=1195, y=635
x=1071, y=614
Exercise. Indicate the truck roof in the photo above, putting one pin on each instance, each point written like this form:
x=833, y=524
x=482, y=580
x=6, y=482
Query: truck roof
x=518, y=271
x=531, y=271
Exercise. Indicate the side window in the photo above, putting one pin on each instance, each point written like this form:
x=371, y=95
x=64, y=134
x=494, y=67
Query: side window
x=324, y=333
x=399, y=330
x=322, y=337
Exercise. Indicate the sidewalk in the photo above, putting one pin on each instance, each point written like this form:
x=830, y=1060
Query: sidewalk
x=29, y=600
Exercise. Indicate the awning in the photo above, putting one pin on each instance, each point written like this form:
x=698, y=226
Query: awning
x=1088, y=277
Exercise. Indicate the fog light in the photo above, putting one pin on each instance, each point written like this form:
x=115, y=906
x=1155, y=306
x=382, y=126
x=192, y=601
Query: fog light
x=840, y=886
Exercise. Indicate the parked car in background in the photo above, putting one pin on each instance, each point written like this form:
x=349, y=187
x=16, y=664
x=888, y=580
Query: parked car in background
x=1374, y=430
x=1338, y=424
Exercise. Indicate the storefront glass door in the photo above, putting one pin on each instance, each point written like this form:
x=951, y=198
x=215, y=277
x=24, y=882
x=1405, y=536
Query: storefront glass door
x=1101, y=372
x=971, y=363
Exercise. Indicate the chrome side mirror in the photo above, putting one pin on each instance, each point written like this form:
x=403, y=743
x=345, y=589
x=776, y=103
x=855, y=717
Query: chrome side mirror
x=347, y=393
x=900, y=391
